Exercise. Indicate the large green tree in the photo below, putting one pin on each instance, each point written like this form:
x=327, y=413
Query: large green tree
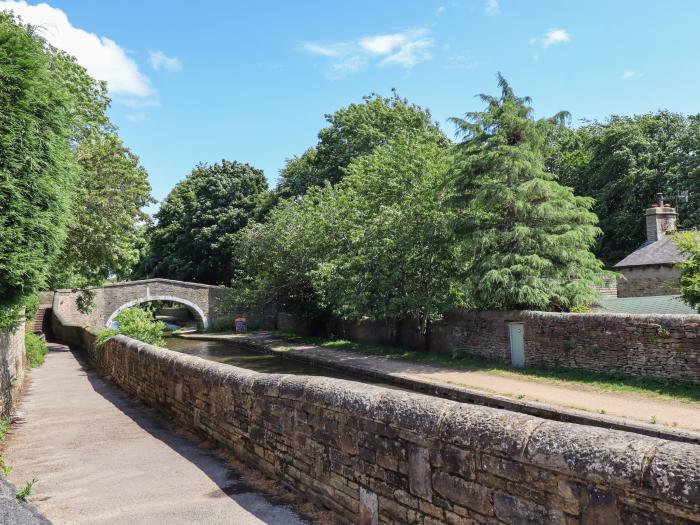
x=36, y=163
x=105, y=232
x=527, y=238
x=195, y=233
x=376, y=245
x=277, y=257
x=622, y=163
x=394, y=257
x=352, y=132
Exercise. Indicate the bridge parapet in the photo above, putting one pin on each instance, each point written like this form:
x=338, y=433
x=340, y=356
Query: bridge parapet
x=205, y=302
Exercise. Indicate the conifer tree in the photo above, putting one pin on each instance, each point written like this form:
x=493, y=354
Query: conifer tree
x=526, y=237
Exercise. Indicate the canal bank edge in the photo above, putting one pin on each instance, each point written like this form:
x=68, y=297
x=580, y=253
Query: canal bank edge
x=389, y=456
x=267, y=345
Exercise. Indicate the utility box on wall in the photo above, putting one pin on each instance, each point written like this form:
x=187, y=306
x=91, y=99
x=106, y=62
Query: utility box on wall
x=516, y=333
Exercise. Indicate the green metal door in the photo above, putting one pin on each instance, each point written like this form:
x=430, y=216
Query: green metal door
x=517, y=344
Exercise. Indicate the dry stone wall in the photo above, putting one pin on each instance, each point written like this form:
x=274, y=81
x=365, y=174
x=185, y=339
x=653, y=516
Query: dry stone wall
x=374, y=455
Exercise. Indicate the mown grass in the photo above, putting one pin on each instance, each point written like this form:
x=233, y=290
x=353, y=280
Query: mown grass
x=612, y=382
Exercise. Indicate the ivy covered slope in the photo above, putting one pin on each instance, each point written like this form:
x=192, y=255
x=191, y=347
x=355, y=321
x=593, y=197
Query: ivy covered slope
x=36, y=164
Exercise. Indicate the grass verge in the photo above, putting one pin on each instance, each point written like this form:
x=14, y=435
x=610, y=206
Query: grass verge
x=676, y=390
x=36, y=350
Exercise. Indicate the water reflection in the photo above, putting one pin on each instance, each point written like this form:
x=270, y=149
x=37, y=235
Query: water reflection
x=236, y=355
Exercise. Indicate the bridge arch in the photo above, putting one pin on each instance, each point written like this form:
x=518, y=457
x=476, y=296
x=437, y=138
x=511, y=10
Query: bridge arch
x=197, y=312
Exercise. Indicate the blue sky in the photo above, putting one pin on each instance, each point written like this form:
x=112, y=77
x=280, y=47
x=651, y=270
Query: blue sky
x=251, y=81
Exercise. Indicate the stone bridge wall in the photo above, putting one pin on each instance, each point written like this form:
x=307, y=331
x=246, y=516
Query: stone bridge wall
x=204, y=301
x=374, y=455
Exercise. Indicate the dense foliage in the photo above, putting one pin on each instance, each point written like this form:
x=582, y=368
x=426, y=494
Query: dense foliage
x=689, y=243
x=36, y=166
x=393, y=255
x=104, y=236
x=71, y=192
x=377, y=245
x=526, y=237
x=353, y=132
x=197, y=223
x=417, y=225
x=622, y=164
x=136, y=323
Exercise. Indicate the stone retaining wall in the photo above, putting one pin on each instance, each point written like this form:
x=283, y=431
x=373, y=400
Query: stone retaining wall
x=657, y=346
x=374, y=455
x=13, y=359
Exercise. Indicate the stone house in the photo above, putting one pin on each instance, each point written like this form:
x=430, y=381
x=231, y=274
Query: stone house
x=650, y=270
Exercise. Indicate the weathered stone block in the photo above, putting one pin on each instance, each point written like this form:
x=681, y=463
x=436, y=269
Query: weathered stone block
x=462, y=492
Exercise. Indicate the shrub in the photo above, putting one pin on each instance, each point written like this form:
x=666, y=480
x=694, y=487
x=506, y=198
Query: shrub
x=139, y=324
x=104, y=335
x=36, y=350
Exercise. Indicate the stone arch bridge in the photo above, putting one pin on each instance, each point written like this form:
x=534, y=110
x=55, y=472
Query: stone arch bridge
x=205, y=302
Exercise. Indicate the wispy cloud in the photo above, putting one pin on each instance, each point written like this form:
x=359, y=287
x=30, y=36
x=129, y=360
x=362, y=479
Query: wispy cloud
x=627, y=74
x=160, y=60
x=102, y=57
x=555, y=36
x=461, y=62
x=136, y=117
x=404, y=49
x=440, y=10
x=492, y=8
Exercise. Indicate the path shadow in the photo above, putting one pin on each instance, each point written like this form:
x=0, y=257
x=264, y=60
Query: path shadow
x=266, y=507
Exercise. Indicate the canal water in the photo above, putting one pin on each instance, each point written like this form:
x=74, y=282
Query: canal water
x=232, y=354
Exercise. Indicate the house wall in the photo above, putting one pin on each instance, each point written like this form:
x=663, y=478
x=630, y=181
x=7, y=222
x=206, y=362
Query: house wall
x=646, y=281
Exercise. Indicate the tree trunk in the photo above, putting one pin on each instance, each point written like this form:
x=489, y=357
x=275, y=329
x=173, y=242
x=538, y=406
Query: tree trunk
x=427, y=341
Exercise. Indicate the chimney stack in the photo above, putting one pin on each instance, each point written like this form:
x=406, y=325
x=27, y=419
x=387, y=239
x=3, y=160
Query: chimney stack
x=661, y=219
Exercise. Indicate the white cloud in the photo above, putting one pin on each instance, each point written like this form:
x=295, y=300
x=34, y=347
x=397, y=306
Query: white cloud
x=405, y=49
x=410, y=53
x=440, y=10
x=100, y=56
x=626, y=75
x=492, y=8
x=382, y=44
x=160, y=60
x=555, y=36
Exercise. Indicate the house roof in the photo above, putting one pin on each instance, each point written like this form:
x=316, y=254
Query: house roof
x=660, y=304
x=663, y=251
